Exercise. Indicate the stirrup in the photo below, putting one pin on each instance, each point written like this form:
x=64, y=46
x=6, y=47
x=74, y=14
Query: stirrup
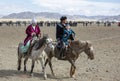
x=62, y=55
x=62, y=58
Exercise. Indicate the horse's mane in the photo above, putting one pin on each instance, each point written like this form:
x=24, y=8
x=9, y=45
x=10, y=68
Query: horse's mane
x=40, y=42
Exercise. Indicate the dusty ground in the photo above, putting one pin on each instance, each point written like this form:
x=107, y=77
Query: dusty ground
x=105, y=66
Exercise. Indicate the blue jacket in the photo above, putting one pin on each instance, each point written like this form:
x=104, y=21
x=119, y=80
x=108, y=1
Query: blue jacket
x=66, y=35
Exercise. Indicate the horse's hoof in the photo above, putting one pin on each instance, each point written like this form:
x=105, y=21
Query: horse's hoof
x=19, y=68
x=45, y=77
x=54, y=76
x=31, y=74
x=42, y=71
x=73, y=76
x=25, y=71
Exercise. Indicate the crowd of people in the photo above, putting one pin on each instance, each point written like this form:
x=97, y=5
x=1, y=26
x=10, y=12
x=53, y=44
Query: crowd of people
x=54, y=23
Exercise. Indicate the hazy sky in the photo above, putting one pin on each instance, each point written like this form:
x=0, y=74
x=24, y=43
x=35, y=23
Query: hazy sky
x=72, y=7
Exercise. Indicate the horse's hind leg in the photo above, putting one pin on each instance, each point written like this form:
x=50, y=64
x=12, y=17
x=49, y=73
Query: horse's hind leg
x=32, y=67
x=25, y=61
x=19, y=63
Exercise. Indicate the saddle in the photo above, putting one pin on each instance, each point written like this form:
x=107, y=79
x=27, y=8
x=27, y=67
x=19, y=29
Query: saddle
x=26, y=50
x=64, y=51
x=32, y=43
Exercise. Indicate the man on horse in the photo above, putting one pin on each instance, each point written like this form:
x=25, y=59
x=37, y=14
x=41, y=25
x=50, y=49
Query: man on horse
x=62, y=36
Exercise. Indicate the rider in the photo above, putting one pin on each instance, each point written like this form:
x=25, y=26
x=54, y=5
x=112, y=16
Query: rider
x=71, y=33
x=68, y=34
x=32, y=30
x=60, y=28
x=59, y=34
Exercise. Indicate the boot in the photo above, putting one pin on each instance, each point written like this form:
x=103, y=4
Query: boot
x=62, y=54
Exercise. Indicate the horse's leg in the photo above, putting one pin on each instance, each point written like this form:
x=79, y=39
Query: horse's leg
x=42, y=63
x=45, y=63
x=72, y=71
x=44, y=72
x=19, y=62
x=42, y=60
x=73, y=68
x=50, y=64
x=32, y=67
x=25, y=61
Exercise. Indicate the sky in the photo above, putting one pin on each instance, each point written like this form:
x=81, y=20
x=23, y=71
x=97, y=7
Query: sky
x=70, y=7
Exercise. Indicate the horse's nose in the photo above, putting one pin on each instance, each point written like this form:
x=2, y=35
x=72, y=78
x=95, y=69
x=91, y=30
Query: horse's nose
x=92, y=58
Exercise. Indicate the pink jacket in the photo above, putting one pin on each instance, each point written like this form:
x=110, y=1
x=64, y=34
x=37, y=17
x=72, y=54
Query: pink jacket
x=29, y=32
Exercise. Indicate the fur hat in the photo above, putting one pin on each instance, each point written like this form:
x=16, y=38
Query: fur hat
x=63, y=18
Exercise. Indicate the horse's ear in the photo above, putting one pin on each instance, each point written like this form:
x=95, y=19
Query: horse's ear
x=89, y=43
x=45, y=35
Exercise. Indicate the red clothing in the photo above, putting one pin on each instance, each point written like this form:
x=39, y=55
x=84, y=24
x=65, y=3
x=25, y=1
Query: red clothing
x=118, y=23
x=29, y=32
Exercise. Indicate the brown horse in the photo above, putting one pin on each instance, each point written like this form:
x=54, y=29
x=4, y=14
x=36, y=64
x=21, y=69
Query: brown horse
x=71, y=55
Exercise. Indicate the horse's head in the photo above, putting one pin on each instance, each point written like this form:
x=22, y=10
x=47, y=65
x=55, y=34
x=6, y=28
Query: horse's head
x=89, y=50
x=50, y=43
x=45, y=38
x=34, y=39
x=83, y=46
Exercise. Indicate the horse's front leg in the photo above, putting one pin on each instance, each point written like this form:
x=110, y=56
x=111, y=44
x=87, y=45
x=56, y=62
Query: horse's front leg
x=72, y=71
x=50, y=64
x=42, y=60
x=25, y=61
x=32, y=67
x=44, y=69
x=42, y=63
x=73, y=68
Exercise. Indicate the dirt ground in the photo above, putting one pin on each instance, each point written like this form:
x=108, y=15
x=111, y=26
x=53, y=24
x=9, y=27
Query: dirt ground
x=105, y=66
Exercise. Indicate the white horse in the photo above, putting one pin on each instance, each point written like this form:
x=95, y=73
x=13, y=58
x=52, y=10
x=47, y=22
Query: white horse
x=36, y=52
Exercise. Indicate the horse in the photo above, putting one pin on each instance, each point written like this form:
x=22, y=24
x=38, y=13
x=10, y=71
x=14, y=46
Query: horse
x=71, y=55
x=35, y=52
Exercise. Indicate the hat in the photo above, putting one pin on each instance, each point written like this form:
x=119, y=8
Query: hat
x=63, y=18
x=34, y=20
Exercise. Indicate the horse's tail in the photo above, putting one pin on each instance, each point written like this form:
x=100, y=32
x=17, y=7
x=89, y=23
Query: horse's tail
x=18, y=49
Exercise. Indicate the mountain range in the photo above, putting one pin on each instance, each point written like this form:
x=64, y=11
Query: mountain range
x=51, y=15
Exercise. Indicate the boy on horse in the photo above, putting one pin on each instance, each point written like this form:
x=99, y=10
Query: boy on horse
x=68, y=34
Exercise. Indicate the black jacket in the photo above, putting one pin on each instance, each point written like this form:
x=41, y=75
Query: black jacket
x=59, y=30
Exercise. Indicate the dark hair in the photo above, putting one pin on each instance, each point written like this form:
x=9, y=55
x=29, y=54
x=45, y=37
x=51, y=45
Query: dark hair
x=63, y=18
